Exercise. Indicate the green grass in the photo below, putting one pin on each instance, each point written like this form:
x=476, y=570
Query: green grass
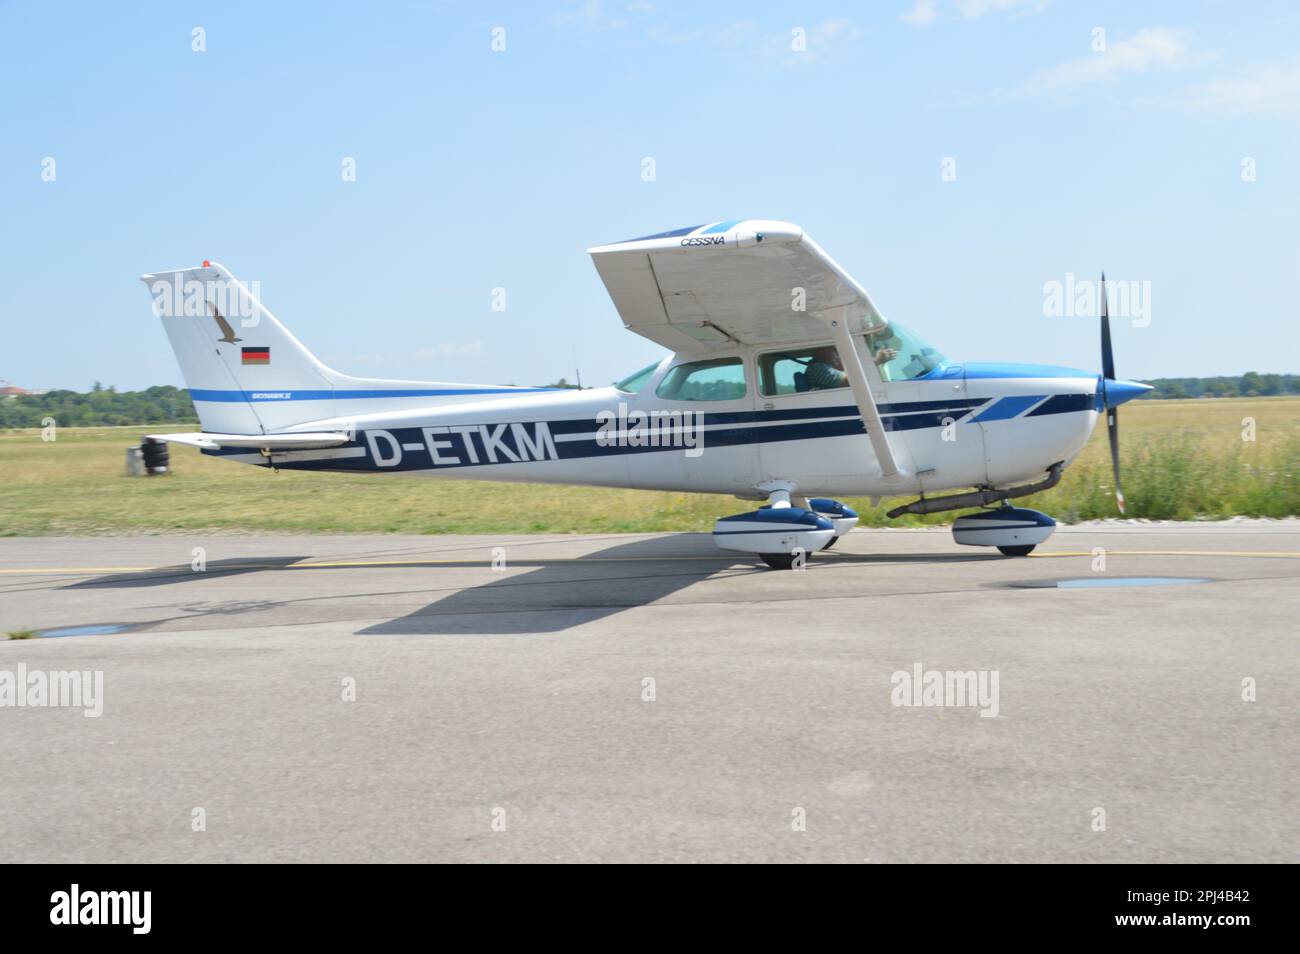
x=21, y=634
x=1182, y=460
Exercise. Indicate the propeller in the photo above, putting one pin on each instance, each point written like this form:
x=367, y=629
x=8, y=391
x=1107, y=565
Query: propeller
x=1108, y=376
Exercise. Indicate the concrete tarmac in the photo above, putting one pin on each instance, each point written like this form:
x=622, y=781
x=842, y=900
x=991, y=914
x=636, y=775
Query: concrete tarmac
x=647, y=698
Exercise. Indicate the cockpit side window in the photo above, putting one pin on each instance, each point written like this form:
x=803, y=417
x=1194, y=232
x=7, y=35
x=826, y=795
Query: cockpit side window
x=804, y=369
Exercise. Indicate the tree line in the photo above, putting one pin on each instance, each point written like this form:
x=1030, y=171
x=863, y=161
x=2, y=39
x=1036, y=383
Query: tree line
x=100, y=406
x=1250, y=384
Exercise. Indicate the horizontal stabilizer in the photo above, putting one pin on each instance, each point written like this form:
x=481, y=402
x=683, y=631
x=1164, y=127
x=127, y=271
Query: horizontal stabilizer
x=304, y=441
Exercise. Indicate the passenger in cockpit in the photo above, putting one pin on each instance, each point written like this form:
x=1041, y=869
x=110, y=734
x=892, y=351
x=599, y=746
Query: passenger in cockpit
x=880, y=343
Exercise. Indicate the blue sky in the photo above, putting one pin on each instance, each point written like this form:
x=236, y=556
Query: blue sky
x=478, y=169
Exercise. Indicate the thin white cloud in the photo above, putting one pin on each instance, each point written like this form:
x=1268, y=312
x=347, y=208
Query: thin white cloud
x=794, y=44
x=1153, y=48
x=925, y=13
x=973, y=9
x=816, y=43
x=922, y=14
x=822, y=42
x=740, y=33
x=592, y=15
x=382, y=359
x=1262, y=90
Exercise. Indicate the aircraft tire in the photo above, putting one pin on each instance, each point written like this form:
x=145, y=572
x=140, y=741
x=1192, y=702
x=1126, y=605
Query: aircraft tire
x=1018, y=551
x=778, y=561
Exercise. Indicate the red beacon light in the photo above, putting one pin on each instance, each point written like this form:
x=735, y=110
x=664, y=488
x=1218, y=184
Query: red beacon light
x=206, y=263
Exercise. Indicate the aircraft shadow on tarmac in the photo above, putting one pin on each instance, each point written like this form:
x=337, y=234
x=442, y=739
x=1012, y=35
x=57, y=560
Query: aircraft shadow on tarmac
x=554, y=595
x=560, y=594
x=164, y=576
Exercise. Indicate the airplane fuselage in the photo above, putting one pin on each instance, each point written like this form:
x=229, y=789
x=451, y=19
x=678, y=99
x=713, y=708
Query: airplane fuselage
x=959, y=426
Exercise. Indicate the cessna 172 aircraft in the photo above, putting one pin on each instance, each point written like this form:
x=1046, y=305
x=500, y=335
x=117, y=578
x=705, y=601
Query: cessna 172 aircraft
x=784, y=385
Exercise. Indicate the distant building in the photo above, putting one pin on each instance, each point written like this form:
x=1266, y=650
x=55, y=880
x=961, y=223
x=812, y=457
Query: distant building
x=8, y=390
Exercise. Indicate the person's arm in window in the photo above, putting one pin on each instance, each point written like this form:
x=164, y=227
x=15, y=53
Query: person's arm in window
x=821, y=376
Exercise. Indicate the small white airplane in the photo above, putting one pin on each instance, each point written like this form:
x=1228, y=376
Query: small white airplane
x=784, y=384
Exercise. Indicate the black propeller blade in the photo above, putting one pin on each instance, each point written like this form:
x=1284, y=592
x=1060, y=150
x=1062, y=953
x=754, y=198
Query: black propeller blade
x=1108, y=374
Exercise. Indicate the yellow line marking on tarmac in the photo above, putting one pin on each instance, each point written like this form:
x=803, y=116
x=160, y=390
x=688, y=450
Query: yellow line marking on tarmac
x=1207, y=553
x=837, y=557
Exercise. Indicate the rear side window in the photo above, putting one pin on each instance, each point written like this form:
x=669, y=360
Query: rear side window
x=719, y=379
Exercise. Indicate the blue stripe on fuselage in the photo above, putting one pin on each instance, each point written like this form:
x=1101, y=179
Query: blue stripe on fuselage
x=469, y=444
x=1066, y=404
x=1008, y=407
x=293, y=394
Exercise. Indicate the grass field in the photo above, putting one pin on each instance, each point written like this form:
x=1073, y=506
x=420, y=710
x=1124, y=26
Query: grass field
x=1182, y=460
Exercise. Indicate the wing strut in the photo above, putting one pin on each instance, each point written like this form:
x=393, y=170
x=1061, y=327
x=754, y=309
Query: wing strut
x=862, y=395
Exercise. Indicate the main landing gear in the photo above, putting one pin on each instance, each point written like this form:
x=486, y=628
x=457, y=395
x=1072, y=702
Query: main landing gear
x=783, y=535
x=780, y=561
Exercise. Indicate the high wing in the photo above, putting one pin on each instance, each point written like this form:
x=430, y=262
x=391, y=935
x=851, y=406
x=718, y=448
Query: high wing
x=695, y=289
x=752, y=282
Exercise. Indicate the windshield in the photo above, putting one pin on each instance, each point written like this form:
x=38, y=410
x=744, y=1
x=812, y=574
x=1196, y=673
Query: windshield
x=901, y=355
x=633, y=383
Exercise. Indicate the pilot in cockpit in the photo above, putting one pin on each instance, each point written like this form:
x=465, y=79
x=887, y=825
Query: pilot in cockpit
x=824, y=370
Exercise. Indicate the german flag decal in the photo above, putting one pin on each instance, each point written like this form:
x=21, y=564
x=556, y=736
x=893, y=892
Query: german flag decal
x=256, y=355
